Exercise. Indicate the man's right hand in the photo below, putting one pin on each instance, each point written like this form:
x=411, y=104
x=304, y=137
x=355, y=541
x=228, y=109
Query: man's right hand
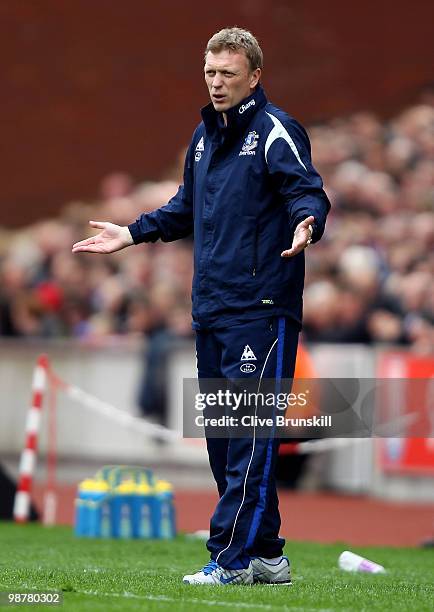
x=112, y=238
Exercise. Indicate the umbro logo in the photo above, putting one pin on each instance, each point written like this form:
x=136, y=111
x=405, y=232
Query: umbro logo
x=229, y=579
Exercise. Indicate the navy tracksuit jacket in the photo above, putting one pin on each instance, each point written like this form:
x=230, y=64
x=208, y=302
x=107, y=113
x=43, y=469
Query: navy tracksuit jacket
x=246, y=187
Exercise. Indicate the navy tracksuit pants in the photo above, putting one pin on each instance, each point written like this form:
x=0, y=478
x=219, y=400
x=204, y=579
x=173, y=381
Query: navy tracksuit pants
x=246, y=521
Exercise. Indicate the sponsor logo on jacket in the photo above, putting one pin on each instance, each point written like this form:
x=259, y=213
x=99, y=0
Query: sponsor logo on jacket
x=244, y=107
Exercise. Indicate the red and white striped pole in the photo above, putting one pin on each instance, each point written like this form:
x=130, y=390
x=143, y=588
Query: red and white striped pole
x=28, y=457
x=50, y=497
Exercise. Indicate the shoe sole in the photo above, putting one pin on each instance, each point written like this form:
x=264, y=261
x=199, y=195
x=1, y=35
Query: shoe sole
x=218, y=584
x=206, y=584
x=286, y=583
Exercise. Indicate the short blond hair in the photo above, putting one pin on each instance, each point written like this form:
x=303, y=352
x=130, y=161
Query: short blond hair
x=236, y=39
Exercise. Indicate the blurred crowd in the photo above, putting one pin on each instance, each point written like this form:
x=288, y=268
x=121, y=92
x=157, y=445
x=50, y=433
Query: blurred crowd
x=369, y=280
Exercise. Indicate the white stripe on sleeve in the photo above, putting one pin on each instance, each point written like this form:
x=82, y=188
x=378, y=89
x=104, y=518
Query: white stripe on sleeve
x=279, y=131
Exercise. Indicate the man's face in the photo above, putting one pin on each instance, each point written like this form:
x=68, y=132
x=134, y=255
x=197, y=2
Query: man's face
x=229, y=78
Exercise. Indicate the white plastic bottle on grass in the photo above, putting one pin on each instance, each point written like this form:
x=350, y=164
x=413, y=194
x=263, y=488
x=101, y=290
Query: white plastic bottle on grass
x=350, y=562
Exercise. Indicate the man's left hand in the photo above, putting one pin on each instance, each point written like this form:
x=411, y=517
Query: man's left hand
x=302, y=237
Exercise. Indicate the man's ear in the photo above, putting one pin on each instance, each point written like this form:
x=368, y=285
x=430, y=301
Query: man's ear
x=254, y=78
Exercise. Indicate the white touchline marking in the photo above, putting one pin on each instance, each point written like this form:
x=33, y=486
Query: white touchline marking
x=205, y=602
x=209, y=602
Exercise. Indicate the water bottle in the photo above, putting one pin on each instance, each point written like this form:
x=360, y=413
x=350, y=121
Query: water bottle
x=121, y=506
x=166, y=524
x=91, y=508
x=350, y=562
x=144, y=512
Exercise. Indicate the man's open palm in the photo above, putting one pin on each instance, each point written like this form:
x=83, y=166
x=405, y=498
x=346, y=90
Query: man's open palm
x=112, y=238
x=302, y=238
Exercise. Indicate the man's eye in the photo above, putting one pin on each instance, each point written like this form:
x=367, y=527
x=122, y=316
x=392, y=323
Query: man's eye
x=210, y=73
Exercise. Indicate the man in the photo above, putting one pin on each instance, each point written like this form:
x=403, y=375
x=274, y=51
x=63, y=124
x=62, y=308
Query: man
x=249, y=192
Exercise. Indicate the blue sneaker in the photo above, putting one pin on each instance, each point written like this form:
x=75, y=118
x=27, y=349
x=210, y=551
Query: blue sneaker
x=214, y=574
x=271, y=571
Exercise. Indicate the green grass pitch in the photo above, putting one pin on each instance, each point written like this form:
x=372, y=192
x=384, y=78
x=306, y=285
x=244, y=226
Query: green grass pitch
x=146, y=575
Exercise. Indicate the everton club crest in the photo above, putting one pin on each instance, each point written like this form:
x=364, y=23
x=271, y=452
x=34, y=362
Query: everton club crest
x=250, y=143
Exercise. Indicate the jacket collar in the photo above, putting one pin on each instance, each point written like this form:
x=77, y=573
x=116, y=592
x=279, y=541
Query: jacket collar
x=238, y=116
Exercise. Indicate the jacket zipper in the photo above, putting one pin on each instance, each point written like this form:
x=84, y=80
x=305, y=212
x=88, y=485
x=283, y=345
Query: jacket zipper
x=255, y=253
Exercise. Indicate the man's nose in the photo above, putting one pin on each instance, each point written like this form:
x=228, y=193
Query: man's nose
x=217, y=81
